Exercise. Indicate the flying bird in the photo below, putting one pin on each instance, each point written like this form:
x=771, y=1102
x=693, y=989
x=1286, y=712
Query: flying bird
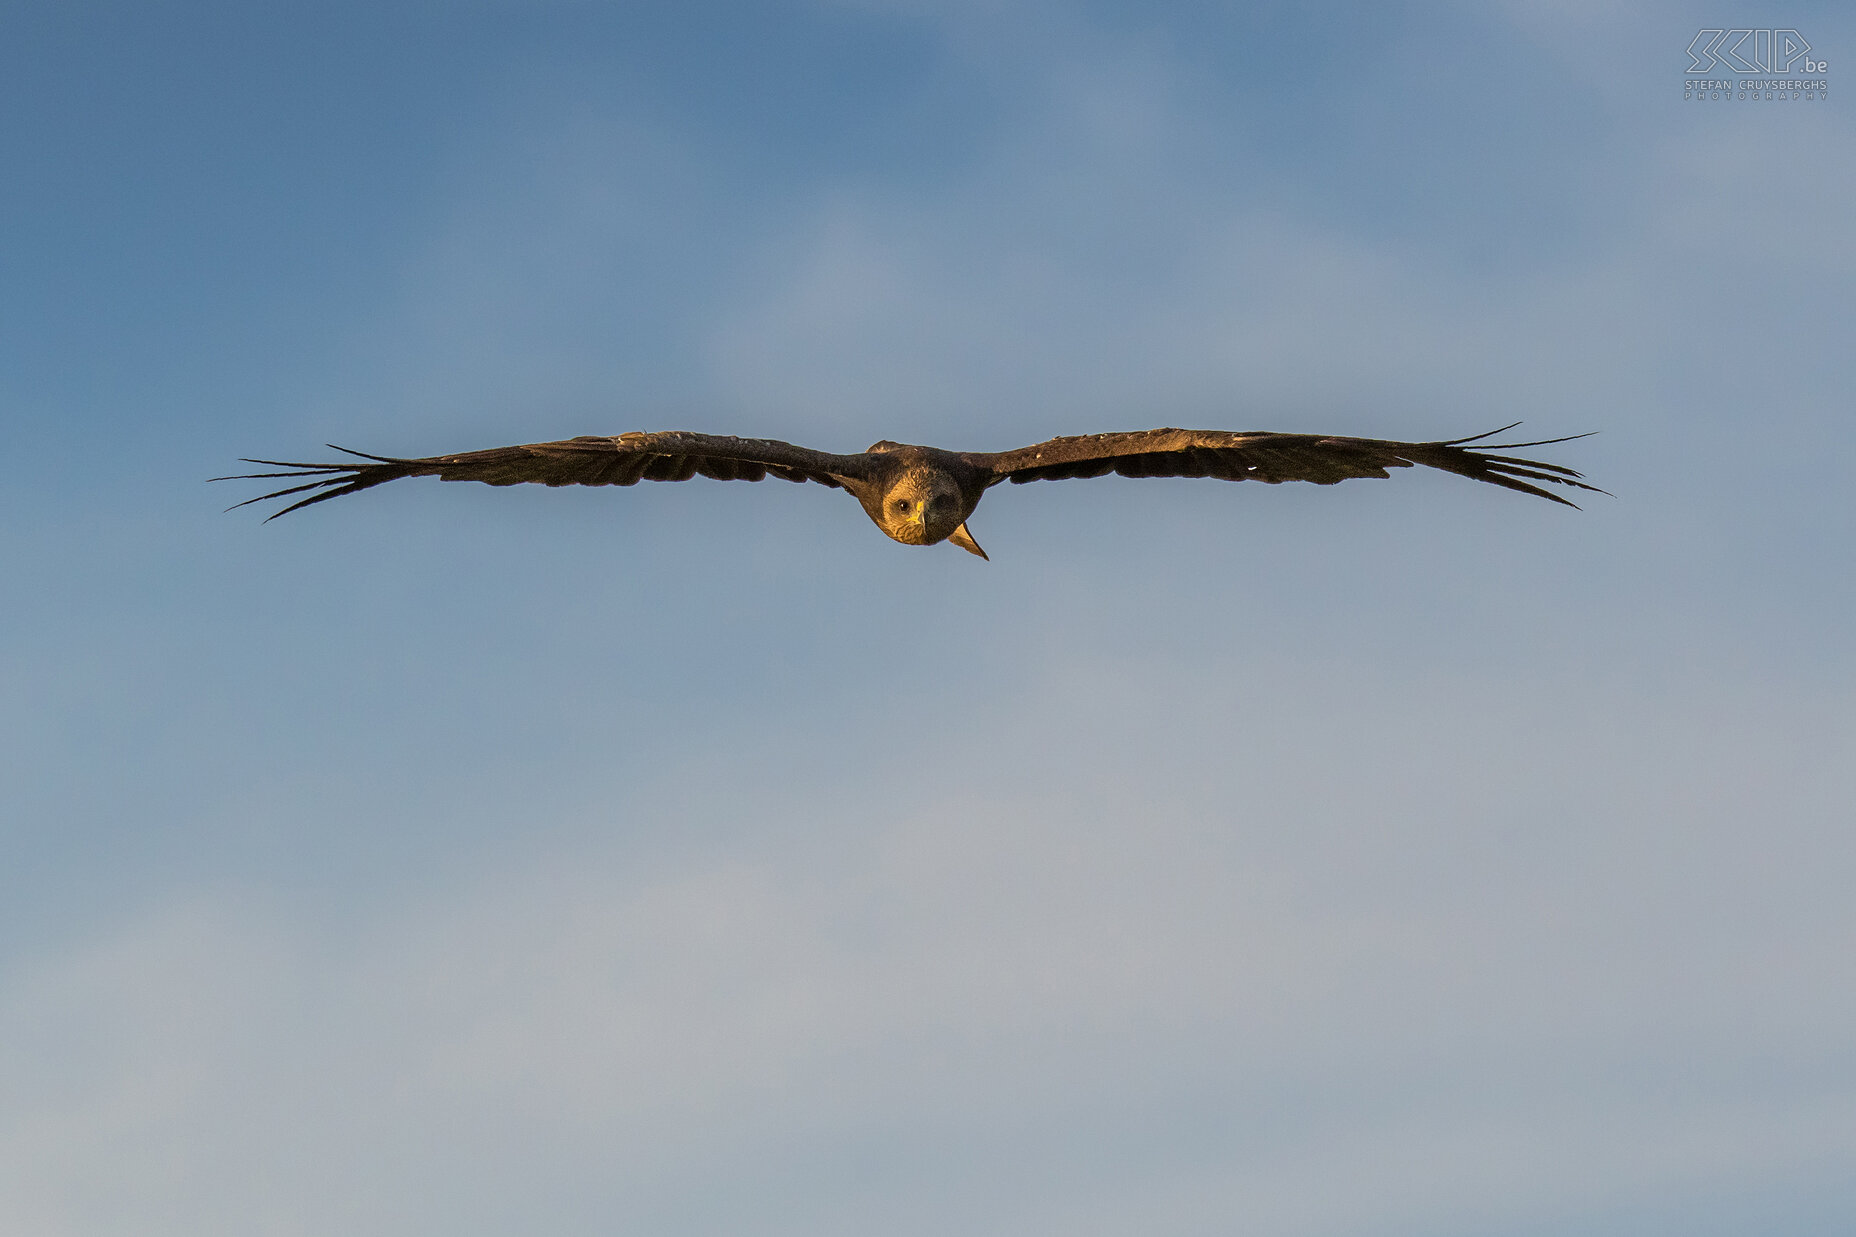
x=923, y=495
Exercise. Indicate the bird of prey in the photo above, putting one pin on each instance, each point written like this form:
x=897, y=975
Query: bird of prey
x=923, y=495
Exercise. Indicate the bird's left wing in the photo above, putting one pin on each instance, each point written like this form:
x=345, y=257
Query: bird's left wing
x=625, y=459
x=1270, y=457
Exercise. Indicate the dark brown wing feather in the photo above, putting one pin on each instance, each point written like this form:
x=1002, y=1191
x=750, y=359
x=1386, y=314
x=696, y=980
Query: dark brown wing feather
x=1272, y=458
x=623, y=460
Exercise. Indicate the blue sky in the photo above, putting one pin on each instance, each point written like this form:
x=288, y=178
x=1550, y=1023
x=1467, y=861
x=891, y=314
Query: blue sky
x=1400, y=857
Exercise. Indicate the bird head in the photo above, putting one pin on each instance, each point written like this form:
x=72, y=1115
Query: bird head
x=923, y=507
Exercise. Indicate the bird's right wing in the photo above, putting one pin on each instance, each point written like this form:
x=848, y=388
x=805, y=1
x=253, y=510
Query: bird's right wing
x=622, y=460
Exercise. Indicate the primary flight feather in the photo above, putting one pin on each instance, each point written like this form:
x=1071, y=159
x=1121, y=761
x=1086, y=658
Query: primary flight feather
x=923, y=495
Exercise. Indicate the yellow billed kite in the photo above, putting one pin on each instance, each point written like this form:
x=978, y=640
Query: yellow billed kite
x=923, y=495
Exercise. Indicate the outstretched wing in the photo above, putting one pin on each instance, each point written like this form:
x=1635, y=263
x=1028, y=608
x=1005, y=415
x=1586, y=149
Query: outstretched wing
x=623, y=460
x=1273, y=458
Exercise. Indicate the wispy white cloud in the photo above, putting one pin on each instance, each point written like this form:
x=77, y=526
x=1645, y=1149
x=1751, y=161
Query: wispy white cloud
x=1452, y=958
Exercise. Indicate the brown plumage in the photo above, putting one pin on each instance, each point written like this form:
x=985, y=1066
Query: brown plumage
x=923, y=495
